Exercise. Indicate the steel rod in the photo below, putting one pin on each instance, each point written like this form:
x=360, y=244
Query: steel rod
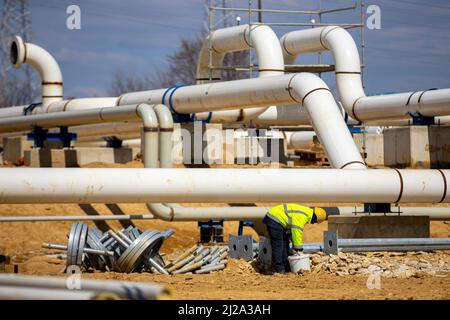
x=56, y=246
x=75, y=218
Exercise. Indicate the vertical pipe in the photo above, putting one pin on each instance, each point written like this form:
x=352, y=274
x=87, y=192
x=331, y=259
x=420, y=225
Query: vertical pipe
x=149, y=143
x=165, y=121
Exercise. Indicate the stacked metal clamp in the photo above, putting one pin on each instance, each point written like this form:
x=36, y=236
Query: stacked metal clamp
x=199, y=259
x=128, y=250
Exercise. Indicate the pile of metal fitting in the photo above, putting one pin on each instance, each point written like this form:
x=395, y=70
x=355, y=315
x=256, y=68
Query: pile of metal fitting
x=128, y=250
x=199, y=259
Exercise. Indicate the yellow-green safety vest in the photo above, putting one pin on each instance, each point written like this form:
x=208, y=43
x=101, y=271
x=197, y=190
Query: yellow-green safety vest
x=292, y=216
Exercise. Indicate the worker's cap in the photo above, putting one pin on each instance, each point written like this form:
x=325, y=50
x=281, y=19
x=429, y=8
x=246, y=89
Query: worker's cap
x=321, y=214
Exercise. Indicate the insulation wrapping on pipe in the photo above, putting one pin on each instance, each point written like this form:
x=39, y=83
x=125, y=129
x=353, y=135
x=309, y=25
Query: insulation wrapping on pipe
x=235, y=185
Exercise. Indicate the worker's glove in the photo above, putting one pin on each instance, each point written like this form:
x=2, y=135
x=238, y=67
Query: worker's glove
x=298, y=251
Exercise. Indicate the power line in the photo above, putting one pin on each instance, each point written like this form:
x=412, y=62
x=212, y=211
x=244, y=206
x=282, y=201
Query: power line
x=428, y=5
x=118, y=16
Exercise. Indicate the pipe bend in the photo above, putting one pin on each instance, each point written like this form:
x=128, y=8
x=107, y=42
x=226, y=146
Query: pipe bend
x=161, y=211
x=148, y=116
x=327, y=121
x=164, y=116
x=268, y=51
x=44, y=63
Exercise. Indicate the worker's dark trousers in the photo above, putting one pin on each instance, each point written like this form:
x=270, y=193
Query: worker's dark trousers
x=279, y=241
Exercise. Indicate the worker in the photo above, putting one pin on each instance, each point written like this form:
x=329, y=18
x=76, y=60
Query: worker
x=286, y=217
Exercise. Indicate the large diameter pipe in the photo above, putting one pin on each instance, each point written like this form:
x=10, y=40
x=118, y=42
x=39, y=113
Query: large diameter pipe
x=59, y=106
x=179, y=213
x=235, y=185
x=348, y=77
x=304, y=88
x=237, y=38
x=70, y=118
x=430, y=103
x=44, y=63
x=300, y=139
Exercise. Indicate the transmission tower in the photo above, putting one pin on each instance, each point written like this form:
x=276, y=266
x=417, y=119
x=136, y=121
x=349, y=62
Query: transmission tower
x=15, y=85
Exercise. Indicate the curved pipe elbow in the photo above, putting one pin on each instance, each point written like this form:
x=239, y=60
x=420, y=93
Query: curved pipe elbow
x=268, y=52
x=44, y=63
x=327, y=121
x=345, y=54
x=161, y=211
x=149, y=143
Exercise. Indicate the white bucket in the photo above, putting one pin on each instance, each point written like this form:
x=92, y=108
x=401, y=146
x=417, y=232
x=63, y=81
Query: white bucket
x=299, y=262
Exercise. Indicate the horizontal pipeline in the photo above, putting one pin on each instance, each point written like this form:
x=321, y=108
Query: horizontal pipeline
x=236, y=213
x=88, y=185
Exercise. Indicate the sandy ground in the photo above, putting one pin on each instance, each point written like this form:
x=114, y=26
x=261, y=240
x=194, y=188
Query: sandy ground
x=22, y=241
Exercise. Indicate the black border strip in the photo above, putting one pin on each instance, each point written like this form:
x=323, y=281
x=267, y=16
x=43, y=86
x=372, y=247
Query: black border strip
x=445, y=186
x=401, y=186
x=352, y=162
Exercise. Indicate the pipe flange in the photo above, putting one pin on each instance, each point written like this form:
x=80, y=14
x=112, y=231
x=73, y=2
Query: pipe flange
x=77, y=241
x=17, y=52
x=145, y=246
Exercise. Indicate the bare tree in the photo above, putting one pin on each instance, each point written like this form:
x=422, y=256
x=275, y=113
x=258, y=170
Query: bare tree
x=182, y=65
x=123, y=83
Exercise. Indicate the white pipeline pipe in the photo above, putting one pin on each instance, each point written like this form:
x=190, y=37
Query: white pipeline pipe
x=300, y=139
x=304, y=88
x=238, y=38
x=82, y=104
x=348, y=77
x=233, y=185
x=69, y=118
x=121, y=130
x=44, y=63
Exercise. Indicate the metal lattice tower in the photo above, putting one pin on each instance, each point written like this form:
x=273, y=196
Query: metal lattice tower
x=15, y=19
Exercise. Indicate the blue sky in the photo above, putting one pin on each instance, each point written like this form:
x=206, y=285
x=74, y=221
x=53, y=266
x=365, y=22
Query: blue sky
x=410, y=52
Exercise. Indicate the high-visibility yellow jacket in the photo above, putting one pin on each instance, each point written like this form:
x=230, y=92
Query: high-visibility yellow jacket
x=292, y=216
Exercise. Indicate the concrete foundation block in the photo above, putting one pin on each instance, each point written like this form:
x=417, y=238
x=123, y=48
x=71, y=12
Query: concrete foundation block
x=380, y=226
x=65, y=158
x=418, y=147
x=51, y=158
x=374, y=147
x=14, y=148
x=439, y=147
x=106, y=155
